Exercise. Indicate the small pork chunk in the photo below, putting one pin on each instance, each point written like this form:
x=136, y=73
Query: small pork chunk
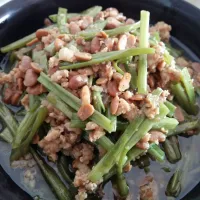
x=124, y=83
x=66, y=54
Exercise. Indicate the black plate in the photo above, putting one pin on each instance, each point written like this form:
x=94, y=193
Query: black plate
x=21, y=17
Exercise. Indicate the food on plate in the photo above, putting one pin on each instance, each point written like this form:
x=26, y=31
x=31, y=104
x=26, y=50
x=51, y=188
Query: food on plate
x=99, y=91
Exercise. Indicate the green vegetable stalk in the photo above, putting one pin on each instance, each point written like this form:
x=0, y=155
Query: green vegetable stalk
x=89, y=34
x=8, y=119
x=143, y=129
x=55, y=183
x=171, y=108
x=120, y=184
x=20, y=149
x=110, y=56
x=174, y=186
x=172, y=149
x=144, y=43
x=20, y=43
x=6, y=135
x=184, y=127
x=156, y=152
x=61, y=20
x=97, y=101
x=93, y=11
x=132, y=155
x=25, y=126
x=107, y=162
x=133, y=72
x=60, y=105
x=166, y=123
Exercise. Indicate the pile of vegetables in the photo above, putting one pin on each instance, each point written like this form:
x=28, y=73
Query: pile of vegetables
x=123, y=151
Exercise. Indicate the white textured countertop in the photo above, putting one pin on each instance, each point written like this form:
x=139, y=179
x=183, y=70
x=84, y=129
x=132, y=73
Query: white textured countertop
x=195, y=2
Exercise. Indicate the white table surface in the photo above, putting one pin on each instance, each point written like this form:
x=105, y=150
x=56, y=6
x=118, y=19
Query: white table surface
x=195, y=2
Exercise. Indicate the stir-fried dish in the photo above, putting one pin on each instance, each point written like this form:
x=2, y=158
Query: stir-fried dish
x=99, y=94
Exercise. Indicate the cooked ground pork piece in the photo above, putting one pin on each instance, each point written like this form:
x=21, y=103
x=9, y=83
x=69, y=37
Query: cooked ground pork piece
x=96, y=134
x=123, y=107
x=54, y=117
x=110, y=43
x=112, y=23
x=5, y=78
x=127, y=95
x=153, y=60
x=26, y=161
x=60, y=76
x=134, y=111
x=148, y=189
x=127, y=168
x=102, y=151
x=124, y=82
x=36, y=89
x=83, y=152
x=163, y=29
x=81, y=178
x=85, y=22
x=58, y=138
x=151, y=106
x=91, y=126
x=111, y=12
x=11, y=96
x=157, y=136
x=74, y=28
x=53, y=62
x=142, y=145
x=106, y=70
x=66, y=54
x=146, y=138
x=82, y=195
